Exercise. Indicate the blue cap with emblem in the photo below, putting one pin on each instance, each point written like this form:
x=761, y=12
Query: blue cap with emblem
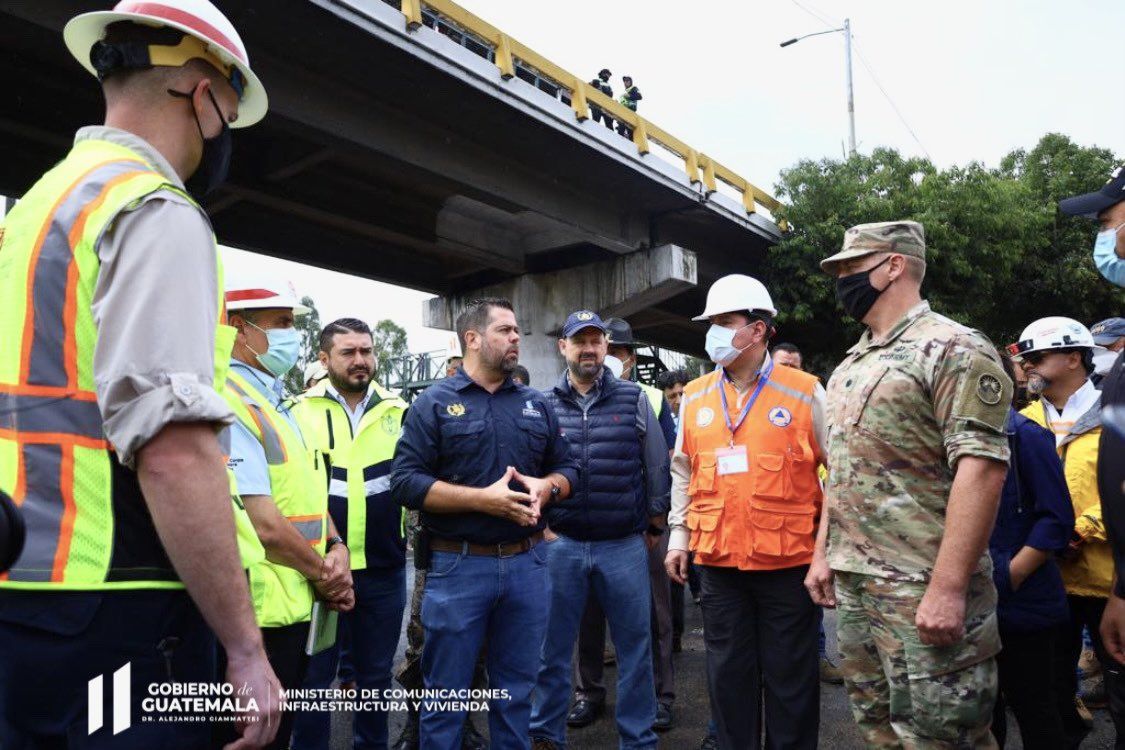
x=580, y=319
x=1108, y=331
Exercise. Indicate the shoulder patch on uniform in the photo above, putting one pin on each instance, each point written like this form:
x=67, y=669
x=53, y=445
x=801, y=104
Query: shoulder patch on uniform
x=779, y=416
x=989, y=388
x=704, y=416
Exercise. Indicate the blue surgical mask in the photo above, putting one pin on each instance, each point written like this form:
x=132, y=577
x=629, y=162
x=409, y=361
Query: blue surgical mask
x=720, y=345
x=1105, y=256
x=284, y=349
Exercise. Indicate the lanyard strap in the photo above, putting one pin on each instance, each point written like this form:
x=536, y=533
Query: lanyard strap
x=762, y=378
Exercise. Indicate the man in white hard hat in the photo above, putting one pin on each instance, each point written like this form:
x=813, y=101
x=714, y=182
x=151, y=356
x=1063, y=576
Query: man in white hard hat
x=113, y=353
x=282, y=482
x=1057, y=355
x=745, y=499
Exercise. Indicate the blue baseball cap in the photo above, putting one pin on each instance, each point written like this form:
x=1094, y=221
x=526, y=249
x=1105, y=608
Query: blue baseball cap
x=580, y=319
x=1089, y=205
x=1107, y=331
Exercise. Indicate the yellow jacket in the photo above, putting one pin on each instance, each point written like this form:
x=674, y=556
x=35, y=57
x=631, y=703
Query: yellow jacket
x=1091, y=572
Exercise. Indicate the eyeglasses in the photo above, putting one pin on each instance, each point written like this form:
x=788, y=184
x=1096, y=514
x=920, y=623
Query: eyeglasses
x=1032, y=358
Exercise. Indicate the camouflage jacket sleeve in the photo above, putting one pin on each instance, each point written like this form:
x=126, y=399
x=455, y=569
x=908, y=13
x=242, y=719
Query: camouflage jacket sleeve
x=971, y=395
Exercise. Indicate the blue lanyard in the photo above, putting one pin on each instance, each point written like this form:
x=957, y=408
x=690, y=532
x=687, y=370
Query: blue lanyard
x=762, y=378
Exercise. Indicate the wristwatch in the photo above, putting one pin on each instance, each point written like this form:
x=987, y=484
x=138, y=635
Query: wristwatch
x=332, y=542
x=555, y=492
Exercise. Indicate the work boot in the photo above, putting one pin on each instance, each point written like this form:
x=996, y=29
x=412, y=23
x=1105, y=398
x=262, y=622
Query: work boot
x=663, y=717
x=829, y=672
x=583, y=713
x=408, y=738
x=471, y=739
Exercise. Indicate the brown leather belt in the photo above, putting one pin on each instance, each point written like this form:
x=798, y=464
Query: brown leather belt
x=489, y=550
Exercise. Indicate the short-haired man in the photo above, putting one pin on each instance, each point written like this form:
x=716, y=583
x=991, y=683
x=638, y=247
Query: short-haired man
x=481, y=456
x=788, y=354
x=600, y=550
x=672, y=384
x=917, y=454
x=355, y=423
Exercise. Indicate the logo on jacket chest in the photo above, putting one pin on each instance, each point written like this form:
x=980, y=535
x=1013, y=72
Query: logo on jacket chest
x=704, y=416
x=529, y=410
x=779, y=416
x=455, y=410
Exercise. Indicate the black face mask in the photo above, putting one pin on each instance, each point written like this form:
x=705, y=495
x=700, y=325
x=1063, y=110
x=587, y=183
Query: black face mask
x=215, y=162
x=856, y=293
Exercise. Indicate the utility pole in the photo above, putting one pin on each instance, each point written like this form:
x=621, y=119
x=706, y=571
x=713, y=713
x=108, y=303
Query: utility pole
x=847, y=29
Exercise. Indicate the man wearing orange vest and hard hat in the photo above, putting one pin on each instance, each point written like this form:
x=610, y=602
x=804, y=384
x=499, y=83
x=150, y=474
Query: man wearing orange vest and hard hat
x=745, y=500
x=113, y=347
x=282, y=482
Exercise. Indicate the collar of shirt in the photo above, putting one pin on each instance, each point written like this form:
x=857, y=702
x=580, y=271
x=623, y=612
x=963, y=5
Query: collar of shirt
x=267, y=385
x=866, y=341
x=132, y=142
x=1080, y=402
x=360, y=409
x=460, y=381
x=740, y=396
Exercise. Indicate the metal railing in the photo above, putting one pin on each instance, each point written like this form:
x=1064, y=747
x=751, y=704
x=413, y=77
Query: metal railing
x=516, y=60
x=413, y=373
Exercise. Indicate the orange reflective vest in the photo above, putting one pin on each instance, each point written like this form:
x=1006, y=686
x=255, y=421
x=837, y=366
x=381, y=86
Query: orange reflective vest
x=763, y=518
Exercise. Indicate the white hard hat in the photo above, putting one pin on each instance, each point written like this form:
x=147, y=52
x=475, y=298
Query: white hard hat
x=198, y=19
x=259, y=292
x=1053, y=333
x=735, y=293
x=314, y=371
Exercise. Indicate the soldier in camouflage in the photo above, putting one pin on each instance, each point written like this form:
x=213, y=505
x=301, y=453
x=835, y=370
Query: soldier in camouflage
x=917, y=455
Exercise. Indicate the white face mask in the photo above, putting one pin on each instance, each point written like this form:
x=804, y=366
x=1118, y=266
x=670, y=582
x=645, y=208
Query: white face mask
x=720, y=345
x=1103, y=361
x=614, y=365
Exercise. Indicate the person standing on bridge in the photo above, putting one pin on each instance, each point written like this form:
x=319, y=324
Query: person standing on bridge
x=917, y=454
x=480, y=457
x=745, y=498
x=601, y=83
x=599, y=555
x=114, y=348
x=628, y=99
x=355, y=423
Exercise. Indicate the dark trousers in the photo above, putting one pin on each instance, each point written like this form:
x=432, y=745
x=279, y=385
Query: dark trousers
x=677, y=609
x=285, y=648
x=45, y=668
x=1026, y=668
x=598, y=115
x=1086, y=611
x=760, y=631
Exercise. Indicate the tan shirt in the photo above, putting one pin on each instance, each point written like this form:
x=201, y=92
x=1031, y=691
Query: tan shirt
x=155, y=308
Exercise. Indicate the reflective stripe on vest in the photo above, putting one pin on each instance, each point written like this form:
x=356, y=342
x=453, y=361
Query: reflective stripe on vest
x=764, y=518
x=298, y=487
x=361, y=463
x=88, y=526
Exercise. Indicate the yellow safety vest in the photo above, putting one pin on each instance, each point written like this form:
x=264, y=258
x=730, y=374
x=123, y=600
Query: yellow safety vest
x=88, y=526
x=655, y=397
x=299, y=487
x=359, y=490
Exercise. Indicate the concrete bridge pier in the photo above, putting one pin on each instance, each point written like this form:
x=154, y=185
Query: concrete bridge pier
x=620, y=287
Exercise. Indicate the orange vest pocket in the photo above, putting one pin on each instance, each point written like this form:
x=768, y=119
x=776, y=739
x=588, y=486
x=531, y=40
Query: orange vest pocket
x=704, y=526
x=769, y=479
x=703, y=474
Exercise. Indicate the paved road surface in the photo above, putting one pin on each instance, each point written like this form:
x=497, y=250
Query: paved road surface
x=837, y=731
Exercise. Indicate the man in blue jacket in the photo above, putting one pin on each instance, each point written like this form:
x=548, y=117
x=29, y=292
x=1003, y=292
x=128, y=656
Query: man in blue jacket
x=622, y=495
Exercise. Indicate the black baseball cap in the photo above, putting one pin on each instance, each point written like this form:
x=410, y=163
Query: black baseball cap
x=580, y=319
x=1091, y=204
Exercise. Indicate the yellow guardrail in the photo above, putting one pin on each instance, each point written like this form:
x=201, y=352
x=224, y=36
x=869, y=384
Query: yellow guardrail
x=699, y=167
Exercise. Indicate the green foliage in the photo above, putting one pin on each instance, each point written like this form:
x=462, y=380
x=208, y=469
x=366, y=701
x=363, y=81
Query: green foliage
x=999, y=253
x=308, y=326
x=390, y=343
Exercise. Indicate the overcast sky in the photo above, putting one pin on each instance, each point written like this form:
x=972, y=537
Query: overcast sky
x=972, y=79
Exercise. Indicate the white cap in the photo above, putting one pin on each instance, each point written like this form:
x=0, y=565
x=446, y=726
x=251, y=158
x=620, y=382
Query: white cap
x=260, y=292
x=736, y=293
x=197, y=18
x=1053, y=333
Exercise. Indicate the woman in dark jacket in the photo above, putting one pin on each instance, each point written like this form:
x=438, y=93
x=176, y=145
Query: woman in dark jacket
x=1034, y=523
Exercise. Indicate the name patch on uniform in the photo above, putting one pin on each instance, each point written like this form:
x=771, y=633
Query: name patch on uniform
x=705, y=416
x=529, y=410
x=989, y=389
x=455, y=410
x=779, y=416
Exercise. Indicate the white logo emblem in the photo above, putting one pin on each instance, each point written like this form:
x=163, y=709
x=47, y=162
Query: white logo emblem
x=122, y=694
x=529, y=409
x=779, y=416
x=705, y=416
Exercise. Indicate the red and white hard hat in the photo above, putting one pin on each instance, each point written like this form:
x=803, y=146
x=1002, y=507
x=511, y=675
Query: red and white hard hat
x=259, y=292
x=196, y=18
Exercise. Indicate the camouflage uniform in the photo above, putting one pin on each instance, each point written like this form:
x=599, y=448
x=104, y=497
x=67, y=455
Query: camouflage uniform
x=902, y=410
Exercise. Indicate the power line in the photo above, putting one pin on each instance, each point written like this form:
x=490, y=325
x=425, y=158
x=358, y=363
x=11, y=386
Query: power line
x=818, y=16
x=902, y=119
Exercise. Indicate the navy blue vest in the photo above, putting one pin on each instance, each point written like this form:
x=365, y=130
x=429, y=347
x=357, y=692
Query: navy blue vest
x=610, y=501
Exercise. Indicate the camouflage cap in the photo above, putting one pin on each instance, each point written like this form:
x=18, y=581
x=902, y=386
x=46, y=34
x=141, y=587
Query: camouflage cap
x=902, y=237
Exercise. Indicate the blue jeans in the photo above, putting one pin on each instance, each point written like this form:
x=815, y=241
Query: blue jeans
x=616, y=572
x=475, y=600
x=375, y=624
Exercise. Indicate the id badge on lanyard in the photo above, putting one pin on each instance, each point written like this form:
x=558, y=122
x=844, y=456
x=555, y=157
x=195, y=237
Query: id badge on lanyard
x=732, y=460
x=735, y=459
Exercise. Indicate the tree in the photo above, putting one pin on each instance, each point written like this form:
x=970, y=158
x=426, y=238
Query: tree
x=390, y=343
x=999, y=255
x=308, y=326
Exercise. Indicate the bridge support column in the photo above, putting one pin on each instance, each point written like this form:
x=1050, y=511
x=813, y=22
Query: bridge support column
x=620, y=287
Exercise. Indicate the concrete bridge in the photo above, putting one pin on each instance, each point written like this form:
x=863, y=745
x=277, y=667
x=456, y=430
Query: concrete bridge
x=421, y=146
